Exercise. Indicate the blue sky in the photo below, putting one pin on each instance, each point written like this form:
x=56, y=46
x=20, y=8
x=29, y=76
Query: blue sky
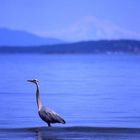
x=73, y=20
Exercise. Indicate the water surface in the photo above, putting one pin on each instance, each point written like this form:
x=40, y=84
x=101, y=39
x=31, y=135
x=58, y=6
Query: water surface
x=87, y=90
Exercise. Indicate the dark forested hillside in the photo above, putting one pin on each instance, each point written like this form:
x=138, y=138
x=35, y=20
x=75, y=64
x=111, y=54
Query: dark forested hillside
x=103, y=46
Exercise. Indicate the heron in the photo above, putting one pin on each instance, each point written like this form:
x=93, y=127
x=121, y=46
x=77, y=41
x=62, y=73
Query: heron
x=46, y=114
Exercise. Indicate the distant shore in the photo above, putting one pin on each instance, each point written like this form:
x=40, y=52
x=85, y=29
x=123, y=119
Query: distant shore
x=86, y=47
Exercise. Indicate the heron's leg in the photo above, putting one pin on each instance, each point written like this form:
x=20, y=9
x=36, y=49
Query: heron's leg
x=49, y=124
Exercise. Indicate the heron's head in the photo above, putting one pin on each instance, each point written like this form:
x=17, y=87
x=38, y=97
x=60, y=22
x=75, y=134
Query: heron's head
x=33, y=81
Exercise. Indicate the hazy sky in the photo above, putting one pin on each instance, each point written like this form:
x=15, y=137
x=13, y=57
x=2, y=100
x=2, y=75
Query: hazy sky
x=73, y=19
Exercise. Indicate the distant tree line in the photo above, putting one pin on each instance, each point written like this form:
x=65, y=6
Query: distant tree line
x=84, y=47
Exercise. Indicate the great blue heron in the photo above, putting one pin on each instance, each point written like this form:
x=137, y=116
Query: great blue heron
x=46, y=114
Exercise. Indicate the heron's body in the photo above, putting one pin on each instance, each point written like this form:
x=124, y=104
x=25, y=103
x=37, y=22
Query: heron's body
x=46, y=114
x=50, y=116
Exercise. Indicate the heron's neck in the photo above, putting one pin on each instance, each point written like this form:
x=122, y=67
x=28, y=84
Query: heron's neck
x=38, y=100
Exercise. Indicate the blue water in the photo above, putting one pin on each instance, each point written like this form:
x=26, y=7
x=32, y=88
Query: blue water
x=86, y=90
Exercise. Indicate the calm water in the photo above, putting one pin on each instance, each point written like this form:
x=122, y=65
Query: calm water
x=87, y=90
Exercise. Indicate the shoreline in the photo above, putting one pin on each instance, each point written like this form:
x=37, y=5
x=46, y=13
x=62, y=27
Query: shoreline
x=74, y=132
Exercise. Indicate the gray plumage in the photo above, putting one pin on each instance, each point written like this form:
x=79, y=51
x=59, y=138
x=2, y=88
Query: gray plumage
x=46, y=114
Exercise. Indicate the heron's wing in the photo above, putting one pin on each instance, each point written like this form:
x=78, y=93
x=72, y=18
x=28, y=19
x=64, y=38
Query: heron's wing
x=57, y=117
x=52, y=116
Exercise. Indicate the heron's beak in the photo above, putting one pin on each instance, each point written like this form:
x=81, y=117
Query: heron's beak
x=30, y=80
